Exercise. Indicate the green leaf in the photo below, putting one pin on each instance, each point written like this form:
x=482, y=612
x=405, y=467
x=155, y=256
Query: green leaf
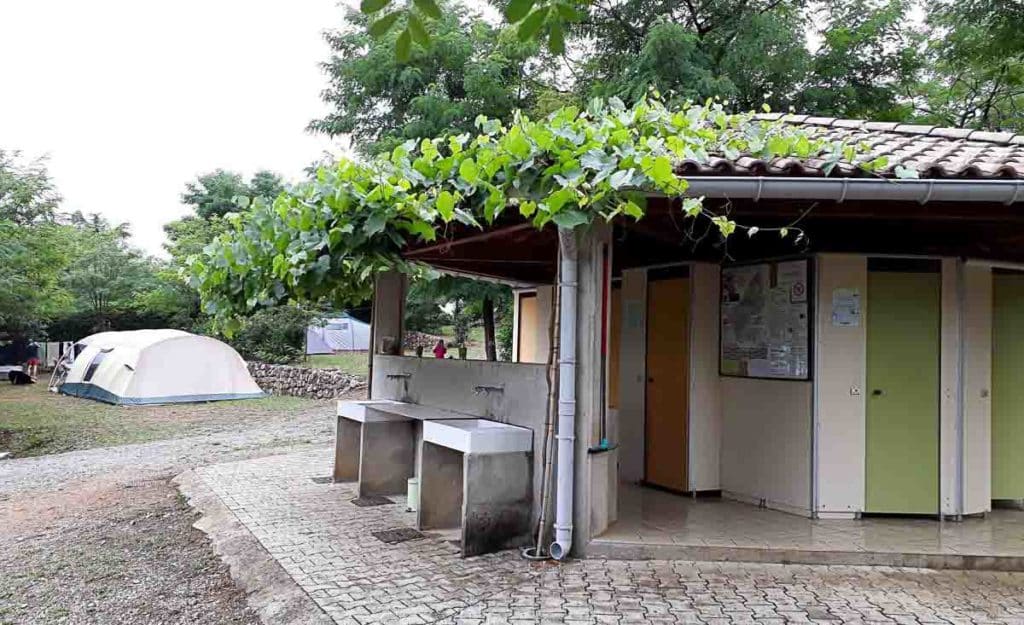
x=570, y=219
x=621, y=178
x=518, y=9
x=556, y=40
x=429, y=8
x=445, y=205
x=419, y=33
x=380, y=27
x=375, y=223
x=531, y=25
x=469, y=172
x=372, y=6
x=527, y=208
x=403, y=46
x=632, y=209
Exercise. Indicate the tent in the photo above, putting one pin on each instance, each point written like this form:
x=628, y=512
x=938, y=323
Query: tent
x=155, y=367
x=339, y=334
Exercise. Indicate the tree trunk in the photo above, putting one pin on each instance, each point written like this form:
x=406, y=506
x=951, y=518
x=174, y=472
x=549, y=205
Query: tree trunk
x=489, y=343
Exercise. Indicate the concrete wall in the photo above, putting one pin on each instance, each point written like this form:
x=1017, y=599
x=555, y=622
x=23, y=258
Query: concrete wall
x=632, y=370
x=705, y=396
x=977, y=288
x=840, y=378
x=766, y=442
x=449, y=384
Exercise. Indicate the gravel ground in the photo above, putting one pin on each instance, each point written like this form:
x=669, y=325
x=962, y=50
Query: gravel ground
x=101, y=535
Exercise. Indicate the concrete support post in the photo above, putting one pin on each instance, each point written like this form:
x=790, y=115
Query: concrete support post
x=389, y=312
x=497, y=502
x=347, y=441
x=590, y=396
x=441, y=487
x=390, y=450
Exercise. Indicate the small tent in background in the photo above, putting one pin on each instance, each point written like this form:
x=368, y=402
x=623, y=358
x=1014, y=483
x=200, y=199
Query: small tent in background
x=343, y=333
x=154, y=367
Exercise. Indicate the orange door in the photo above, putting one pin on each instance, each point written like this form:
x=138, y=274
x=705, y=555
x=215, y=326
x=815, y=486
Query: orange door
x=665, y=427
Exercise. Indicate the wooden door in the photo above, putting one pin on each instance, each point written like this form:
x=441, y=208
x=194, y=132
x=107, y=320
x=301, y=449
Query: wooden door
x=665, y=424
x=529, y=327
x=1008, y=385
x=902, y=437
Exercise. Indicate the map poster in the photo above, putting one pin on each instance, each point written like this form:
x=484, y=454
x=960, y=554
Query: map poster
x=764, y=321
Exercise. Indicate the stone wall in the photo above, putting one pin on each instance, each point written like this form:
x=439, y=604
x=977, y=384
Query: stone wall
x=303, y=381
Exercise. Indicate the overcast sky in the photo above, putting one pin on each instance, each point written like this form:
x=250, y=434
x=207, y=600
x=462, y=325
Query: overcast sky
x=131, y=99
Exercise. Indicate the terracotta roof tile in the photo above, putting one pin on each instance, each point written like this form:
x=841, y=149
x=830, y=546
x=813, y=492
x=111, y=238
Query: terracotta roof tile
x=933, y=152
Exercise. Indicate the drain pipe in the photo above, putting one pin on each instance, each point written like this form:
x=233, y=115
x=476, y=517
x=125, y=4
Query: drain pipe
x=566, y=436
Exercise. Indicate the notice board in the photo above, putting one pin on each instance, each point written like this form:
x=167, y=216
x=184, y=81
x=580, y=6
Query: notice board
x=765, y=320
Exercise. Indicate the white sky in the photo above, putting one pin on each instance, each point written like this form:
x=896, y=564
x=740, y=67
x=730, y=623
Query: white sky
x=131, y=99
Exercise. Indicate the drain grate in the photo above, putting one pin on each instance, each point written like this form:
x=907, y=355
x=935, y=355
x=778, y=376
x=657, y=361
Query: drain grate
x=371, y=500
x=397, y=535
x=321, y=480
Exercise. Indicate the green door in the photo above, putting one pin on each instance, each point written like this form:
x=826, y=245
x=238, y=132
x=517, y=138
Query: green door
x=902, y=446
x=1008, y=386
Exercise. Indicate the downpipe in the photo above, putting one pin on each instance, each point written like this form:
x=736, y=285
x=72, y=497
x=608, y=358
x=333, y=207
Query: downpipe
x=566, y=437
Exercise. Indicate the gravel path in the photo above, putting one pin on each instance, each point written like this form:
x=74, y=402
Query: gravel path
x=102, y=536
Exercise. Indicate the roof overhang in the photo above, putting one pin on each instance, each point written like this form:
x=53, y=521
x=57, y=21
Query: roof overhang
x=757, y=188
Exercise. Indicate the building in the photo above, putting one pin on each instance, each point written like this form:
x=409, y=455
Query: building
x=871, y=366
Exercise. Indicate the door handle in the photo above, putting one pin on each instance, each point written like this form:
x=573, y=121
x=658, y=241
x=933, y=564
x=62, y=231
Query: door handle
x=650, y=379
x=877, y=392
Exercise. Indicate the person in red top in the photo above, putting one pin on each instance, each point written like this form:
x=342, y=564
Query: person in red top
x=440, y=350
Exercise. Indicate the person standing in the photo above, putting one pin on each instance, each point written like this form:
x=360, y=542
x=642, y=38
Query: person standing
x=32, y=360
x=440, y=350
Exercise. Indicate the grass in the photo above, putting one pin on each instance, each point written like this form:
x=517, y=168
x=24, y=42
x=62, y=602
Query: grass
x=34, y=421
x=355, y=363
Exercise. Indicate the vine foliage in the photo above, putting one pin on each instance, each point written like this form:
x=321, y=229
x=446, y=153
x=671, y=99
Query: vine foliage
x=325, y=238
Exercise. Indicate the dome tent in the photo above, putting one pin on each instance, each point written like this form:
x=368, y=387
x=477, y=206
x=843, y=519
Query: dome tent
x=156, y=367
x=338, y=334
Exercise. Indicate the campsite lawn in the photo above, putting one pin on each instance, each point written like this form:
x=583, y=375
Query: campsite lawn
x=34, y=421
x=355, y=363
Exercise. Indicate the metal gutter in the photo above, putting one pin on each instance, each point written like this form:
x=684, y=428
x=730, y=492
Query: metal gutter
x=841, y=189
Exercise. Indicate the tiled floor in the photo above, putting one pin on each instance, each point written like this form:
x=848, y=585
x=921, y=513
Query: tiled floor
x=648, y=516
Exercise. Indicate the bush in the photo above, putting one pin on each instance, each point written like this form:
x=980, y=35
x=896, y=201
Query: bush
x=273, y=335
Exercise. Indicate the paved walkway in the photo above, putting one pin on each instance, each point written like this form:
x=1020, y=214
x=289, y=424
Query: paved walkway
x=325, y=543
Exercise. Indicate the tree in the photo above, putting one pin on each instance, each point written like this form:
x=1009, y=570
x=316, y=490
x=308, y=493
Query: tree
x=27, y=194
x=867, y=63
x=31, y=291
x=215, y=194
x=470, y=69
x=976, y=78
x=107, y=275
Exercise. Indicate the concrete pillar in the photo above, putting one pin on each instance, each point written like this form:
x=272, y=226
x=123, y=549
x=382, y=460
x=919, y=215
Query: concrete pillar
x=347, y=441
x=590, y=396
x=497, y=496
x=441, y=487
x=389, y=312
x=387, y=452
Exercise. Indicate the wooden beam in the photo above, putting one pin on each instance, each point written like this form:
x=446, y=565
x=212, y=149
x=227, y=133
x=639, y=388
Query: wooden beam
x=483, y=236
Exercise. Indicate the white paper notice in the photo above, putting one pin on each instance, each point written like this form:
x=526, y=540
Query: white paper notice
x=845, y=308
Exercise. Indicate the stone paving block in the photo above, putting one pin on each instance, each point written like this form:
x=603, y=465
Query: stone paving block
x=324, y=542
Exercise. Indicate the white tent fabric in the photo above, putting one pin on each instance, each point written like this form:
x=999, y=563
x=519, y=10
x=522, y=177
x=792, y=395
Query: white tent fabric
x=157, y=367
x=339, y=334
